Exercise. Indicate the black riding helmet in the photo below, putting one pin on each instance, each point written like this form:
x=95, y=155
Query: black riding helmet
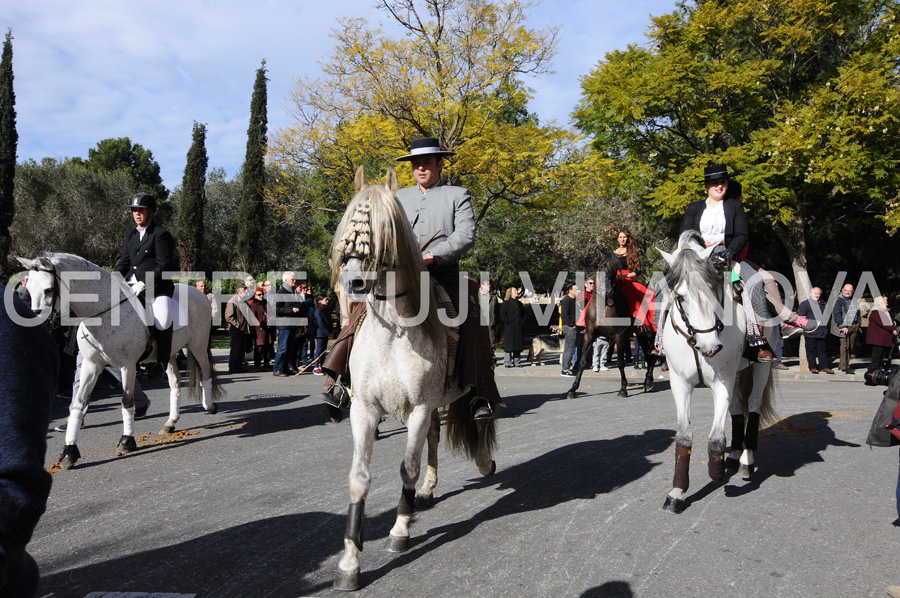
x=143, y=200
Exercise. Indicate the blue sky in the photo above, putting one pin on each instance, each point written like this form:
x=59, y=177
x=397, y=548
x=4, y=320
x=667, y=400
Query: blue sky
x=94, y=69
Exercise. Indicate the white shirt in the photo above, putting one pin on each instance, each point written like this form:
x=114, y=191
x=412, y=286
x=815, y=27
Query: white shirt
x=712, y=222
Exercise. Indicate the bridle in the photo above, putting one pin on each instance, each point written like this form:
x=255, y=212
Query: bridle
x=55, y=296
x=691, y=331
x=378, y=297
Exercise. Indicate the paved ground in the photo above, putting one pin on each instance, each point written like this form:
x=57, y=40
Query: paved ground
x=252, y=502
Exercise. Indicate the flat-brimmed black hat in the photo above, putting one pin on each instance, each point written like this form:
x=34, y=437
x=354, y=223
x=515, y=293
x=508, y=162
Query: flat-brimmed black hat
x=426, y=146
x=714, y=171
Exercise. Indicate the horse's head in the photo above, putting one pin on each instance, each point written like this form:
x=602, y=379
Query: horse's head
x=606, y=273
x=42, y=285
x=373, y=237
x=694, y=286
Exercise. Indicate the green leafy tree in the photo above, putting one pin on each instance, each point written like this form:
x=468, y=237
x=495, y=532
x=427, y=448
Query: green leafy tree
x=451, y=73
x=799, y=97
x=252, y=212
x=192, y=203
x=9, y=139
x=63, y=206
x=121, y=154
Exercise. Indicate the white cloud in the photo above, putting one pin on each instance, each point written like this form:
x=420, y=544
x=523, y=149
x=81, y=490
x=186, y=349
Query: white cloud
x=89, y=70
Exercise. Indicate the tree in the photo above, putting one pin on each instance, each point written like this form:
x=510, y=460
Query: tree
x=63, y=206
x=451, y=74
x=193, y=202
x=799, y=97
x=252, y=211
x=121, y=154
x=9, y=139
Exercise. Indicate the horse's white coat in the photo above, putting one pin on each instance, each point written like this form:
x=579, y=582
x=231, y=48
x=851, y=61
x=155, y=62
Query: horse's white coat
x=118, y=335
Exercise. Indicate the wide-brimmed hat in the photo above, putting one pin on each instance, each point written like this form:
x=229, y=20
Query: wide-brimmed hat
x=426, y=146
x=714, y=171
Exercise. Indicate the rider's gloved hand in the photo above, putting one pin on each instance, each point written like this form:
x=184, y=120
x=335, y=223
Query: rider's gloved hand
x=721, y=258
x=138, y=288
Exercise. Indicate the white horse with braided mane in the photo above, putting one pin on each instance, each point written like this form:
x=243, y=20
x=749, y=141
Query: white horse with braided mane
x=111, y=331
x=398, y=363
x=704, y=334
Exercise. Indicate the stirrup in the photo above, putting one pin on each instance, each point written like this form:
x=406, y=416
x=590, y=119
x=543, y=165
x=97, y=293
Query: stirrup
x=481, y=408
x=336, y=396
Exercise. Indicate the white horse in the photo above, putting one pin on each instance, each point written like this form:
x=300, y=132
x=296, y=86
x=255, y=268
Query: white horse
x=704, y=334
x=112, y=332
x=398, y=364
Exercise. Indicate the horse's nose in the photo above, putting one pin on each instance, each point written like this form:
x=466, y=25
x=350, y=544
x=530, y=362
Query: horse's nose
x=715, y=350
x=357, y=285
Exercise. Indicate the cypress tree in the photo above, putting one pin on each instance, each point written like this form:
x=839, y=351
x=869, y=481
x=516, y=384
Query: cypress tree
x=193, y=203
x=9, y=139
x=251, y=213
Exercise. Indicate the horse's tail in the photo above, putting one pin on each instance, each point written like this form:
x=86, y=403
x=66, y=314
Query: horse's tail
x=462, y=430
x=195, y=377
x=744, y=386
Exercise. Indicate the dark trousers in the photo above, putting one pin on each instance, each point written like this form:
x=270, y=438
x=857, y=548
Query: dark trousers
x=879, y=354
x=816, y=354
x=847, y=343
x=286, y=352
x=239, y=343
x=571, y=336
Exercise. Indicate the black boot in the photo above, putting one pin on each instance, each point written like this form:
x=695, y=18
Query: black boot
x=164, y=346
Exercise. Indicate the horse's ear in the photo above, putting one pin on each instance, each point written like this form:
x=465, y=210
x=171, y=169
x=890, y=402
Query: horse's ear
x=360, y=180
x=26, y=263
x=44, y=263
x=670, y=259
x=391, y=182
x=708, y=252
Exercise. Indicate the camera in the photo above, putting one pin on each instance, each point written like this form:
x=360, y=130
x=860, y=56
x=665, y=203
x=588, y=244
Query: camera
x=879, y=376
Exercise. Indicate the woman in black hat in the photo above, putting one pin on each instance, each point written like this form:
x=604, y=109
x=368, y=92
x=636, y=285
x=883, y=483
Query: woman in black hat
x=148, y=252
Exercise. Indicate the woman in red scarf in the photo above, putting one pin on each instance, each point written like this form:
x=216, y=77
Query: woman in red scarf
x=632, y=289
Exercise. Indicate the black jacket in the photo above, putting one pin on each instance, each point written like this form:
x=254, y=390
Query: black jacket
x=736, y=233
x=285, y=302
x=568, y=312
x=149, y=258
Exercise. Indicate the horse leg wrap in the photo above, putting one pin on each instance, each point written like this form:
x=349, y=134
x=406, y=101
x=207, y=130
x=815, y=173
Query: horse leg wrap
x=354, y=531
x=716, y=466
x=407, y=502
x=682, y=467
x=751, y=438
x=737, y=432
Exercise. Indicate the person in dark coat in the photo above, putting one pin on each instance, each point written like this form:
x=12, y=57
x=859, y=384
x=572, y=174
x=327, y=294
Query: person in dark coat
x=265, y=338
x=512, y=313
x=881, y=332
x=28, y=373
x=323, y=331
x=149, y=251
x=816, y=355
x=288, y=311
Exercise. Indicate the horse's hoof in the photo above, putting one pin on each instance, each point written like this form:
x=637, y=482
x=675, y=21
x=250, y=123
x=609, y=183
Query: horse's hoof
x=745, y=471
x=126, y=445
x=673, y=505
x=346, y=582
x=395, y=544
x=623, y=394
x=213, y=410
x=335, y=413
x=648, y=386
x=424, y=501
x=69, y=456
x=732, y=464
x=491, y=471
x=167, y=429
x=570, y=395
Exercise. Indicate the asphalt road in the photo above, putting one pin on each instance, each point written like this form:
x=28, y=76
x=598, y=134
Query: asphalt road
x=252, y=502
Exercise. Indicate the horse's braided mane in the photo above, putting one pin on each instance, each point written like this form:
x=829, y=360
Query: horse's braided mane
x=375, y=227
